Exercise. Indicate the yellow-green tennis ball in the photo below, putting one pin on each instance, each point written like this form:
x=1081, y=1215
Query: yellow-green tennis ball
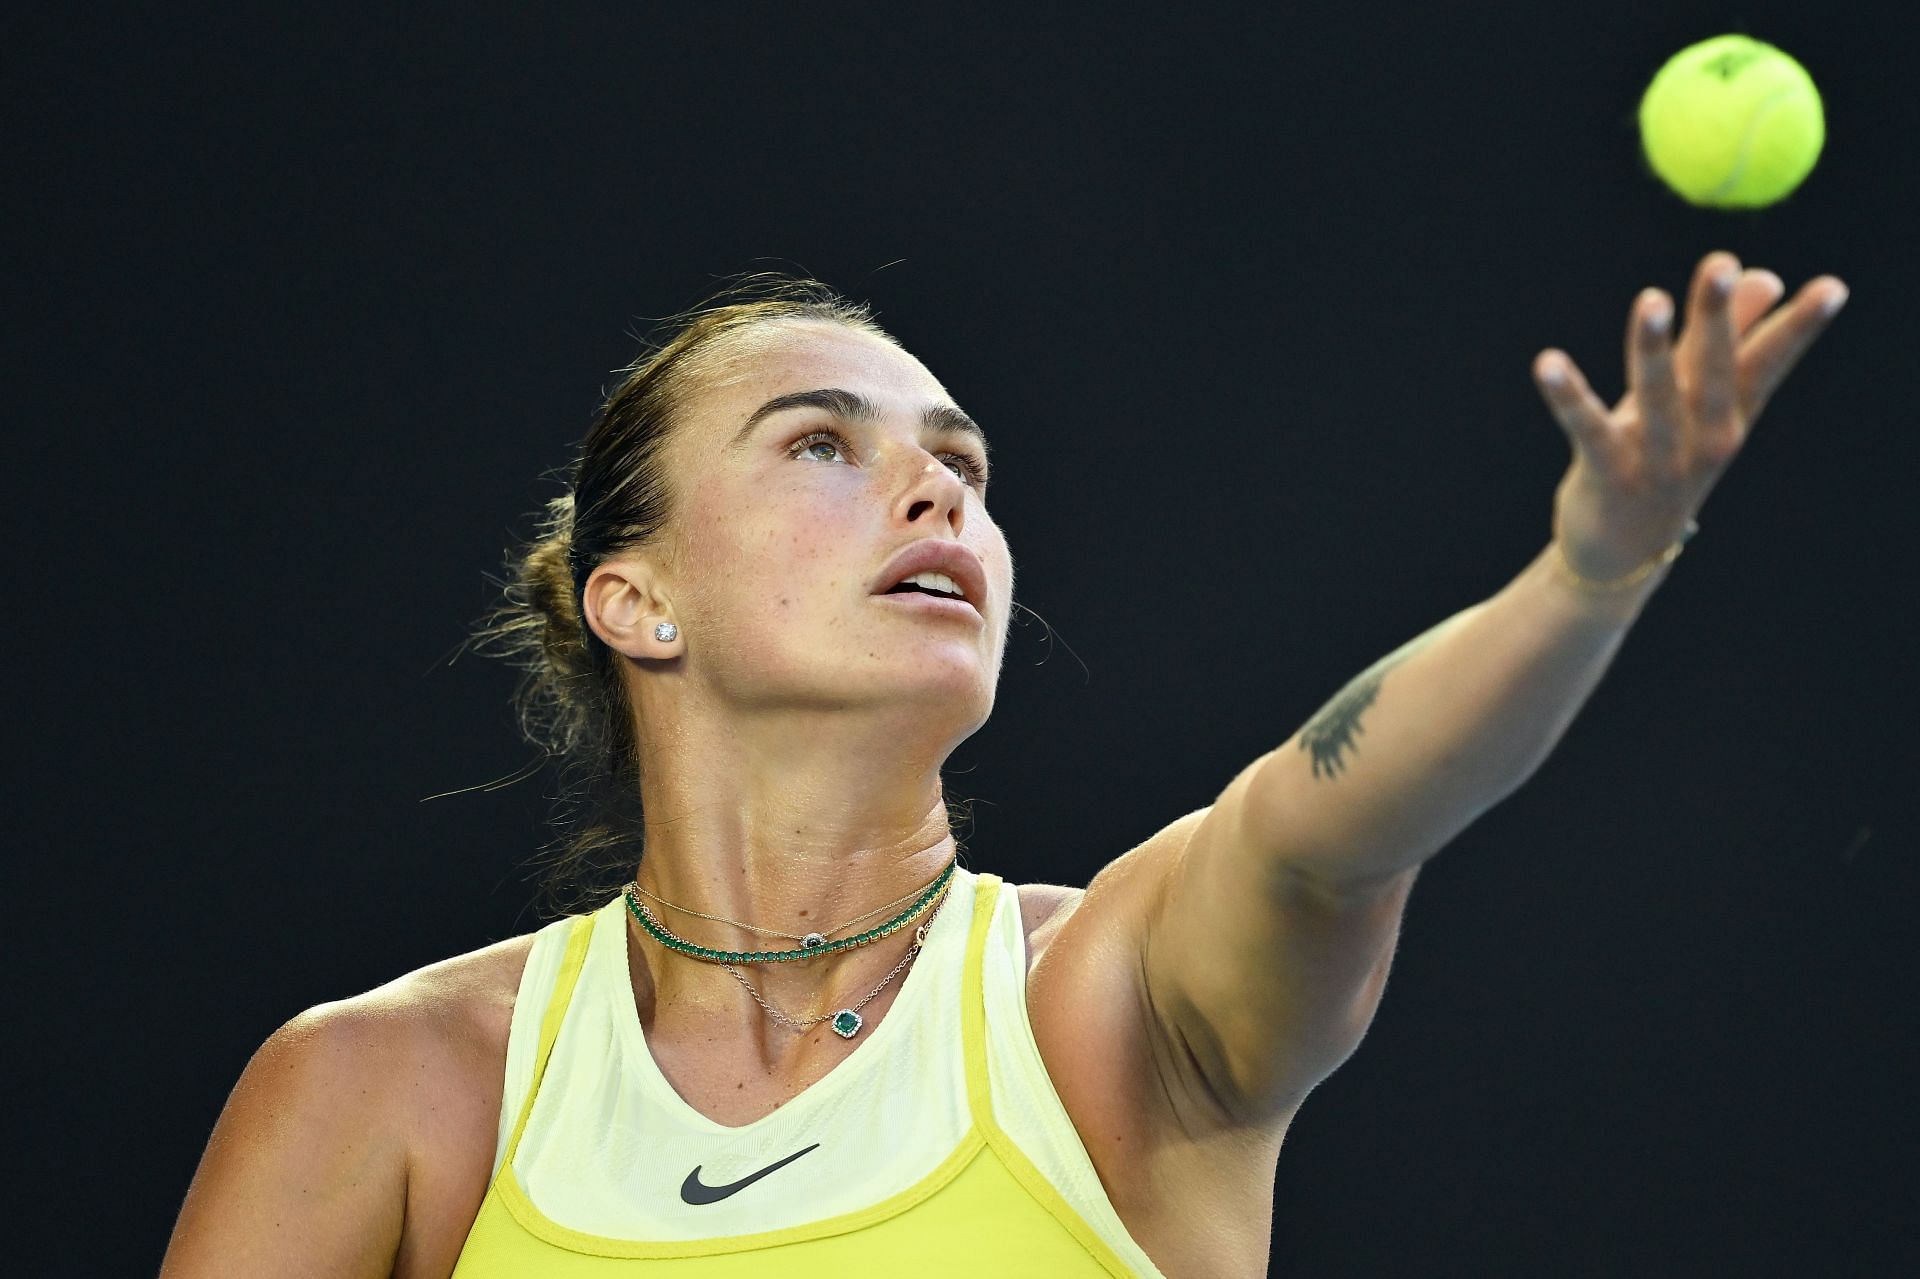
x=1732, y=123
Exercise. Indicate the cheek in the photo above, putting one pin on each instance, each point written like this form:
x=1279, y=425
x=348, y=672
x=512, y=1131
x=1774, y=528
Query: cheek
x=1004, y=563
x=772, y=559
x=1010, y=590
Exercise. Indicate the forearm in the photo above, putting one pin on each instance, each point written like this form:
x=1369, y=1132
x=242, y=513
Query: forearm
x=1440, y=730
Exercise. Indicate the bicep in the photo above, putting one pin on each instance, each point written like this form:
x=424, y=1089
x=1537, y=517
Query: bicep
x=305, y=1172
x=1267, y=977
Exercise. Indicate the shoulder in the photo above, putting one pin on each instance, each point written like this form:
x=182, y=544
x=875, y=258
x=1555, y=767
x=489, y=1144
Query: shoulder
x=447, y=1049
x=439, y=1017
x=1118, y=902
x=424, y=1047
x=1043, y=909
x=463, y=1001
x=443, y=1015
x=351, y=1117
x=439, y=1035
x=1120, y=1073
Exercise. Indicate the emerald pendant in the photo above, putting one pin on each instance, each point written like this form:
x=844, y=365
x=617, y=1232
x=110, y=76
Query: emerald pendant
x=846, y=1023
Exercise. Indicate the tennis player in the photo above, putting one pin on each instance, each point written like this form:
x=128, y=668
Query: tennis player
x=792, y=1033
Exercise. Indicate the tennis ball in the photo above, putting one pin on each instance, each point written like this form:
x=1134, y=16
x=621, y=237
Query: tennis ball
x=1732, y=123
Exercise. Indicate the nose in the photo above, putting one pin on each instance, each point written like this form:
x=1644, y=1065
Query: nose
x=934, y=493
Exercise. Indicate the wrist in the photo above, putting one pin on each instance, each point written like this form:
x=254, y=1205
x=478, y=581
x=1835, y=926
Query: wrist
x=1639, y=581
x=1580, y=598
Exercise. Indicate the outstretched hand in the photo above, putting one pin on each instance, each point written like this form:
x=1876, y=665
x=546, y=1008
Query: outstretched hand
x=1642, y=469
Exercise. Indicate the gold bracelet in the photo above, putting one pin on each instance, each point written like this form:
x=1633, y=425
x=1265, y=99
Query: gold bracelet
x=1632, y=579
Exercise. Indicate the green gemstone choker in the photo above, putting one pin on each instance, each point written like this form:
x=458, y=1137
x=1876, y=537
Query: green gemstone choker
x=659, y=933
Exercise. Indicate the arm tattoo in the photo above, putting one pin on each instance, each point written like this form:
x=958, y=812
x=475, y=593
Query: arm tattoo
x=1330, y=734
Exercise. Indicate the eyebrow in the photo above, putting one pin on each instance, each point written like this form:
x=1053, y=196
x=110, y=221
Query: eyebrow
x=854, y=407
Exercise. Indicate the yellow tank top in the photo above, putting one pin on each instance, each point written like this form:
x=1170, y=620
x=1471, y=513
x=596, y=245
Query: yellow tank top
x=912, y=1169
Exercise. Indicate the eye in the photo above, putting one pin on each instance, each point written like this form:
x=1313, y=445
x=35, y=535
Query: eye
x=971, y=470
x=820, y=440
x=816, y=440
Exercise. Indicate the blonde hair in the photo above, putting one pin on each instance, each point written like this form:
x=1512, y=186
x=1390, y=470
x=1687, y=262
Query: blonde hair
x=570, y=701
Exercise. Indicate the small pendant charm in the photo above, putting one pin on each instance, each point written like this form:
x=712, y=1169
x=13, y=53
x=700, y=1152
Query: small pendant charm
x=812, y=941
x=846, y=1023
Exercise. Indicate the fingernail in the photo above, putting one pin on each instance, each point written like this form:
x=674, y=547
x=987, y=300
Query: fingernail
x=1723, y=284
x=1833, y=304
x=1659, y=315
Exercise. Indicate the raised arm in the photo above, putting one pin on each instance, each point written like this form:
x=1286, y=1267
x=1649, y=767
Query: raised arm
x=1271, y=916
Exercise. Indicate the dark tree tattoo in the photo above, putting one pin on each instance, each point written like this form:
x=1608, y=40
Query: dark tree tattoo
x=1330, y=734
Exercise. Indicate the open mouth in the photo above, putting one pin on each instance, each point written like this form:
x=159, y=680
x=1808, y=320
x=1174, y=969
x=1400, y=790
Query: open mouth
x=947, y=580
x=931, y=599
x=908, y=588
x=928, y=582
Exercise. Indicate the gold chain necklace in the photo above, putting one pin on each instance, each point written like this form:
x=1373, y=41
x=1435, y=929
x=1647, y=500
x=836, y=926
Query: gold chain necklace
x=846, y=1022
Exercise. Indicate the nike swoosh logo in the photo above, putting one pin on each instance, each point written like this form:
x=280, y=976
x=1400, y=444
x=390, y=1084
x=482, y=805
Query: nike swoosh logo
x=694, y=1192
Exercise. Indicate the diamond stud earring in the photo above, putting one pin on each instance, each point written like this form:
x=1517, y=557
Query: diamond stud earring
x=665, y=632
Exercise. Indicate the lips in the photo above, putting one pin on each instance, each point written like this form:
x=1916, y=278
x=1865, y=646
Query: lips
x=935, y=605
x=937, y=555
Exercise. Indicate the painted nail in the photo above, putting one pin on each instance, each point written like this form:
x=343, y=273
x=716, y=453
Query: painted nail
x=1833, y=304
x=1659, y=315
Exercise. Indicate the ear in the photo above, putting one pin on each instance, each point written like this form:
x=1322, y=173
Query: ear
x=622, y=603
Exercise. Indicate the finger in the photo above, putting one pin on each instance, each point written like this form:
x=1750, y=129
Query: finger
x=1711, y=388
x=1650, y=377
x=1578, y=410
x=1756, y=291
x=1777, y=342
x=1754, y=296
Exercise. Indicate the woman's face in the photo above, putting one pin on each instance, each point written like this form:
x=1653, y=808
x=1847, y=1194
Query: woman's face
x=786, y=529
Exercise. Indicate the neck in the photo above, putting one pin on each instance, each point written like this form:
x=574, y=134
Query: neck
x=793, y=833
x=796, y=825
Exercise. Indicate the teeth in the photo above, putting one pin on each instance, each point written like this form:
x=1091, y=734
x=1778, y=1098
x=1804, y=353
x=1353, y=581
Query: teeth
x=938, y=582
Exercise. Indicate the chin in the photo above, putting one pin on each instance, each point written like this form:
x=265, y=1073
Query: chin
x=964, y=683
x=964, y=688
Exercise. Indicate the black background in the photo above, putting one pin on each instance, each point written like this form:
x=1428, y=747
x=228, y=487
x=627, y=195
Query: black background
x=304, y=305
